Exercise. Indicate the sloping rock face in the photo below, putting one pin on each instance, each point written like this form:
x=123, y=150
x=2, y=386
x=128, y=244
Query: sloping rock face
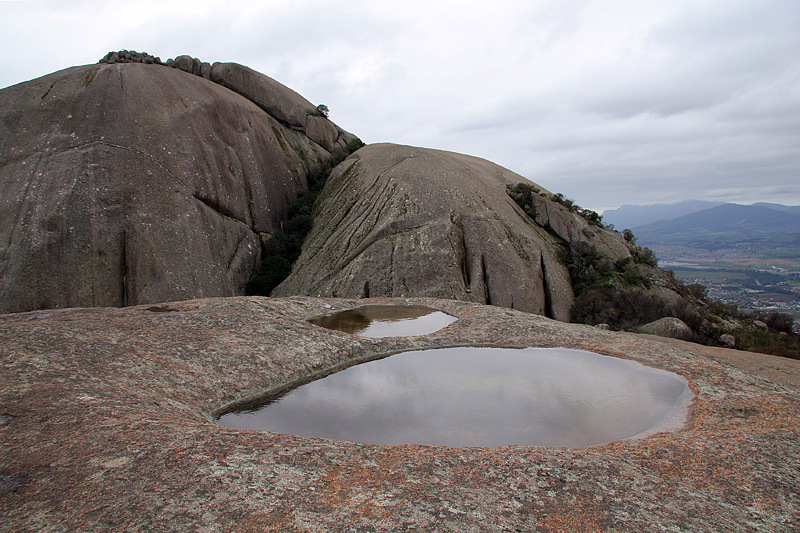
x=135, y=183
x=106, y=424
x=404, y=221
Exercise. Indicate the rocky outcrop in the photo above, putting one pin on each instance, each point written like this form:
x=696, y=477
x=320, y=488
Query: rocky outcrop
x=107, y=424
x=403, y=221
x=128, y=183
x=670, y=327
x=727, y=340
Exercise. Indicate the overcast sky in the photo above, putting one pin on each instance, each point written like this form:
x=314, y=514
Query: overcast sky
x=607, y=101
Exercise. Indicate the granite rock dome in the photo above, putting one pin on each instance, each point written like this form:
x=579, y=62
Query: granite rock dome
x=134, y=183
x=399, y=221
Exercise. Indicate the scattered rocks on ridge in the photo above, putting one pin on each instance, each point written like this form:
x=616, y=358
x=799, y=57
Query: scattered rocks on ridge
x=130, y=56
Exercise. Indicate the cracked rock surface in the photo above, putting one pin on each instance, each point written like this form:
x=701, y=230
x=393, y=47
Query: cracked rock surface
x=106, y=424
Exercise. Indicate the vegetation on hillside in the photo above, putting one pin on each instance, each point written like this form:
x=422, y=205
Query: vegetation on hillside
x=606, y=291
x=617, y=293
x=762, y=331
x=284, y=246
x=524, y=195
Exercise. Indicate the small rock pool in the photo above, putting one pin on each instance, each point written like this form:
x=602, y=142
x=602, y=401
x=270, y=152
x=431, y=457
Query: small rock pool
x=477, y=396
x=386, y=321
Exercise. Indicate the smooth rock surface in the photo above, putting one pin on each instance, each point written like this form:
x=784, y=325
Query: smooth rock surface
x=403, y=221
x=138, y=183
x=106, y=424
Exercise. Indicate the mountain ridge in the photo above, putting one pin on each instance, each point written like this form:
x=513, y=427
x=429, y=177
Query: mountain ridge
x=727, y=217
x=630, y=216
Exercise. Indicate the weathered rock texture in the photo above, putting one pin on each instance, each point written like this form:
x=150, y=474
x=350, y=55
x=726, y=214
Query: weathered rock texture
x=136, y=183
x=106, y=425
x=403, y=221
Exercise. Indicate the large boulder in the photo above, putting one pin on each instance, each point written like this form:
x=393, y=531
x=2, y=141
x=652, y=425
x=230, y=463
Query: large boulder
x=403, y=221
x=670, y=327
x=136, y=183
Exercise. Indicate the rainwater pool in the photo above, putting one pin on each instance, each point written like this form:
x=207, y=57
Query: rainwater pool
x=476, y=396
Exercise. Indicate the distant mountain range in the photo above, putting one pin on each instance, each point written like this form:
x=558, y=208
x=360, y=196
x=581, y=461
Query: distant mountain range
x=742, y=220
x=632, y=216
x=760, y=230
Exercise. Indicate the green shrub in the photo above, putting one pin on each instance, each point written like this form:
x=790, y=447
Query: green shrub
x=284, y=246
x=274, y=269
x=569, y=203
x=777, y=322
x=628, y=235
x=523, y=194
x=620, y=309
x=698, y=291
x=757, y=340
x=644, y=256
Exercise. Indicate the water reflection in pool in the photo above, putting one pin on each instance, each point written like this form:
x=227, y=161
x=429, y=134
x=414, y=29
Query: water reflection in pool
x=386, y=321
x=481, y=397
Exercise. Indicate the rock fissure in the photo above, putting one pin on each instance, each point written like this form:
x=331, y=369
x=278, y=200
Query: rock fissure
x=123, y=256
x=239, y=248
x=487, y=294
x=220, y=210
x=136, y=151
x=546, y=289
x=121, y=81
x=391, y=267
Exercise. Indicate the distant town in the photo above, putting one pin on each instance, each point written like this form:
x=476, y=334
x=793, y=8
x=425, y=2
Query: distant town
x=761, y=289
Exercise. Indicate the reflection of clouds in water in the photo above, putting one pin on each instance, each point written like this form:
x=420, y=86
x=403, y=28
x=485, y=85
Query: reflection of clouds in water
x=481, y=396
x=386, y=321
x=424, y=325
